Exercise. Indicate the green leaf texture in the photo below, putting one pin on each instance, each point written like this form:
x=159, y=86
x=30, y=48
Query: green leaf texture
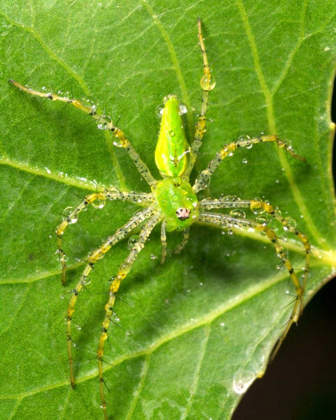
x=207, y=317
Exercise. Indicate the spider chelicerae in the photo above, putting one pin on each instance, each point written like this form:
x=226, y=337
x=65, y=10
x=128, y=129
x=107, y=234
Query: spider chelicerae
x=173, y=203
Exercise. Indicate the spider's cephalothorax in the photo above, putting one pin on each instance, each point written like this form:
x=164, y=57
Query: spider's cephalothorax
x=173, y=202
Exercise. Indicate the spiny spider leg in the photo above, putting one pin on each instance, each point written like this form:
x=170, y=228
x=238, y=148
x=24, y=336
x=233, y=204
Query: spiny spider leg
x=163, y=241
x=225, y=221
x=104, y=123
x=108, y=194
x=207, y=83
x=124, y=269
x=203, y=178
x=93, y=258
x=257, y=204
x=184, y=242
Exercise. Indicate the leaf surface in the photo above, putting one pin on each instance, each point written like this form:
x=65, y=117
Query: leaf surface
x=206, y=318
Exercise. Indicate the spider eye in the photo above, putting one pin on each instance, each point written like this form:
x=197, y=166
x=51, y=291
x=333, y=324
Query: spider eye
x=183, y=214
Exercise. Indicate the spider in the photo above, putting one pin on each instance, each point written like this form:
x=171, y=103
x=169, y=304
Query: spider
x=173, y=203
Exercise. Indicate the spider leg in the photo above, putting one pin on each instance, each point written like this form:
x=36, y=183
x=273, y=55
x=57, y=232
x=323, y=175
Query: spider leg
x=207, y=83
x=184, y=242
x=104, y=123
x=124, y=269
x=72, y=217
x=255, y=205
x=203, y=178
x=163, y=241
x=224, y=221
x=93, y=258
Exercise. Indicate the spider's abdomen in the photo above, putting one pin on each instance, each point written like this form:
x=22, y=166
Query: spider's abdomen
x=178, y=202
x=172, y=149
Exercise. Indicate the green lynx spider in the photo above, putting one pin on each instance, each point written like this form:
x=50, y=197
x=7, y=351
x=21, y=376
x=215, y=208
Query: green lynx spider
x=173, y=202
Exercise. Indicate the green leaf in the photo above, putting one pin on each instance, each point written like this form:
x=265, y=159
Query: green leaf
x=212, y=314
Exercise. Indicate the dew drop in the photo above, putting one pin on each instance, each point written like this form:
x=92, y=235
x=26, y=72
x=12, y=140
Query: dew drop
x=259, y=210
x=132, y=240
x=238, y=213
x=207, y=82
x=172, y=133
x=159, y=110
x=231, y=198
x=100, y=204
x=242, y=380
x=244, y=140
x=262, y=220
x=244, y=160
x=182, y=109
x=290, y=222
x=116, y=144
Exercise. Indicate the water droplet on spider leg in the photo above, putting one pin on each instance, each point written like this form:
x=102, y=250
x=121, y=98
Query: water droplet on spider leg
x=230, y=232
x=132, y=240
x=262, y=220
x=99, y=204
x=231, y=198
x=242, y=381
x=291, y=222
x=68, y=216
x=207, y=82
x=238, y=213
x=244, y=141
x=258, y=210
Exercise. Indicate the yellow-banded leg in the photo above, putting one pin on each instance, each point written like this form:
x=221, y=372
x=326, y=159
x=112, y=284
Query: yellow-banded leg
x=93, y=258
x=256, y=205
x=184, y=242
x=226, y=221
x=104, y=123
x=72, y=217
x=125, y=268
x=163, y=241
x=207, y=83
x=202, y=180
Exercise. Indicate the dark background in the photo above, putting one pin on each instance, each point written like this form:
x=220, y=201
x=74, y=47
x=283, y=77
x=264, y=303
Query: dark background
x=301, y=382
